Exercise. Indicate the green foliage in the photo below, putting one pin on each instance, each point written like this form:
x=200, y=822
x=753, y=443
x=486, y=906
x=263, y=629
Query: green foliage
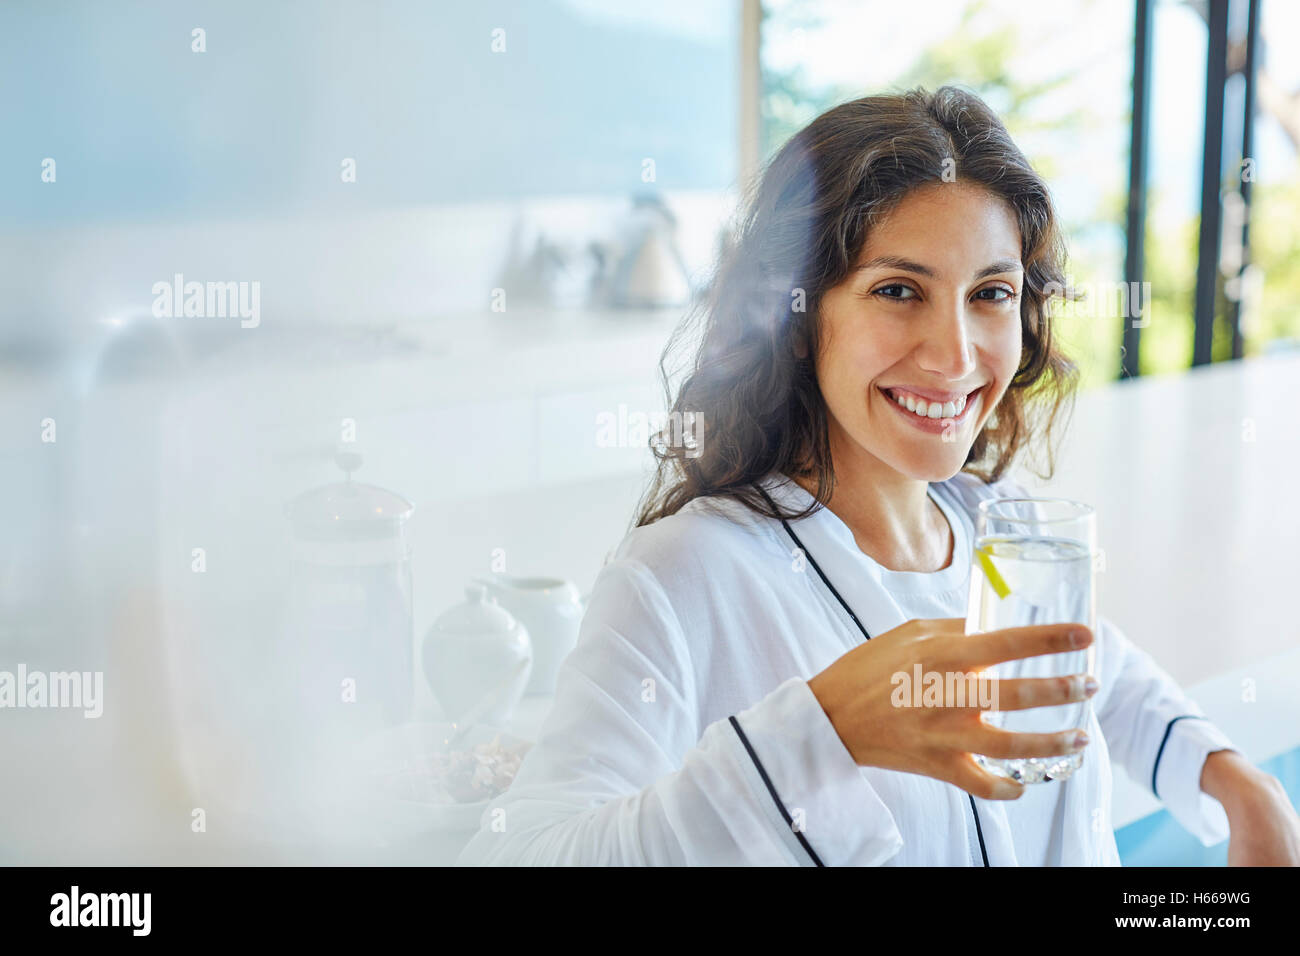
x=1171, y=256
x=1170, y=267
x=1275, y=249
x=980, y=55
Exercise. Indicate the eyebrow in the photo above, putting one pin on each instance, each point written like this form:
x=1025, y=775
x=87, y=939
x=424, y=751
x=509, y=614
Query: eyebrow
x=908, y=265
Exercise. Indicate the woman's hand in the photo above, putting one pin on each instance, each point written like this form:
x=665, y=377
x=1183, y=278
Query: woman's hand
x=857, y=693
x=1264, y=825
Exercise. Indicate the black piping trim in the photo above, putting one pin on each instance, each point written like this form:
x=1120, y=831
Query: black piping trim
x=816, y=567
x=979, y=830
x=772, y=790
x=1164, y=740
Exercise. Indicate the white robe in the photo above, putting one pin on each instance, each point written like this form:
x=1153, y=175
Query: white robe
x=707, y=615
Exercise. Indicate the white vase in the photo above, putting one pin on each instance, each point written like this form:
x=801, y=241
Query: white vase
x=470, y=652
x=551, y=609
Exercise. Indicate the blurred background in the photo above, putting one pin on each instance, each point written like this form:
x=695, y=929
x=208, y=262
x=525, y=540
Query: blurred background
x=316, y=313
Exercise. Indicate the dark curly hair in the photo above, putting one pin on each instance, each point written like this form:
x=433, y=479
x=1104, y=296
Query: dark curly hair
x=753, y=382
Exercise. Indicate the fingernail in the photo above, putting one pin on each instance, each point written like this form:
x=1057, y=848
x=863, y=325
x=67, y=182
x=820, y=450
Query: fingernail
x=1090, y=686
x=1078, y=638
x=1080, y=740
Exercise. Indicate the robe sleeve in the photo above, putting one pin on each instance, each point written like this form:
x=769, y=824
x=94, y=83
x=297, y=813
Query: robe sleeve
x=621, y=773
x=1158, y=734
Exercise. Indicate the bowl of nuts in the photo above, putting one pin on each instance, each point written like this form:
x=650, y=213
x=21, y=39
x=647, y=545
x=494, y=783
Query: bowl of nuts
x=417, y=781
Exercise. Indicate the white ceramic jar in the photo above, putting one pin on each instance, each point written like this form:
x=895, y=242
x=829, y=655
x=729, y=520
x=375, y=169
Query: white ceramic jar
x=470, y=652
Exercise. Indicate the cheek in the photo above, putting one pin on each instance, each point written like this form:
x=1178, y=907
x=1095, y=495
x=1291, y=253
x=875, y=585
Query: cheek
x=862, y=353
x=1003, y=355
x=849, y=375
x=1004, y=351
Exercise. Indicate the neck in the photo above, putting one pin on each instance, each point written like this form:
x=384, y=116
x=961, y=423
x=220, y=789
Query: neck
x=892, y=518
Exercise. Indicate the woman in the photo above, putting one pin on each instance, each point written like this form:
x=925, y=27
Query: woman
x=877, y=350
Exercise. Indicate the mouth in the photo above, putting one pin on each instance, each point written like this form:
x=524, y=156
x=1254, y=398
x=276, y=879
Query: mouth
x=934, y=417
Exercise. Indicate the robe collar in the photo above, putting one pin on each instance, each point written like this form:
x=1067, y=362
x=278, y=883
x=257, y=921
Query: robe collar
x=829, y=542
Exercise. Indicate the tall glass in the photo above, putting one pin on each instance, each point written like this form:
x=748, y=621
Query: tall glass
x=1033, y=564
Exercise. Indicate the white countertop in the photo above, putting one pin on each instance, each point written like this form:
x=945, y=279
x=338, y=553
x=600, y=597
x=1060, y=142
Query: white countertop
x=1193, y=477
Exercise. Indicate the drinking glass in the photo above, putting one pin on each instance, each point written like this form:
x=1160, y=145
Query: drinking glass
x=1033, y=564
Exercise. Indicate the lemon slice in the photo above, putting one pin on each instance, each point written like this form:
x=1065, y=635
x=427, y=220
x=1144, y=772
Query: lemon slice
x=995, y=579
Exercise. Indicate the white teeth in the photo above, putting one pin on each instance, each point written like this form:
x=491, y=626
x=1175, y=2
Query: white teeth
x=931, y=409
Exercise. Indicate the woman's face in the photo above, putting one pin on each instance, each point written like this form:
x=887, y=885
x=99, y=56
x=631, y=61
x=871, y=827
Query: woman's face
x=932, y=317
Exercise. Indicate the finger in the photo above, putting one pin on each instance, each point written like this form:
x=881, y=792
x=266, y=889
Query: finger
x=1023, y=693
x=995, y=742
x=929, y=628
x=948, y=625
x=978, y=782
x=1012, y=643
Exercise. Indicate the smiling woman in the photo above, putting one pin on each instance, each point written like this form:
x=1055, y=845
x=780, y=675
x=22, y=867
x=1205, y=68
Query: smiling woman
x=937, y=326
x=877, y=348
x=886, y=220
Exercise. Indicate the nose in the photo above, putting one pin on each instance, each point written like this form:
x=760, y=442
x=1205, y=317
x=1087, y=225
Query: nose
x=946, y=348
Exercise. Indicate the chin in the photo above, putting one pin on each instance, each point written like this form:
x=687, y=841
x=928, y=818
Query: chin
x=934, y=468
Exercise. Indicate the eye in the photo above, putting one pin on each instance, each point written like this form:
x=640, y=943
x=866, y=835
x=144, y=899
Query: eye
x=1001, y=294
x=896, y=291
